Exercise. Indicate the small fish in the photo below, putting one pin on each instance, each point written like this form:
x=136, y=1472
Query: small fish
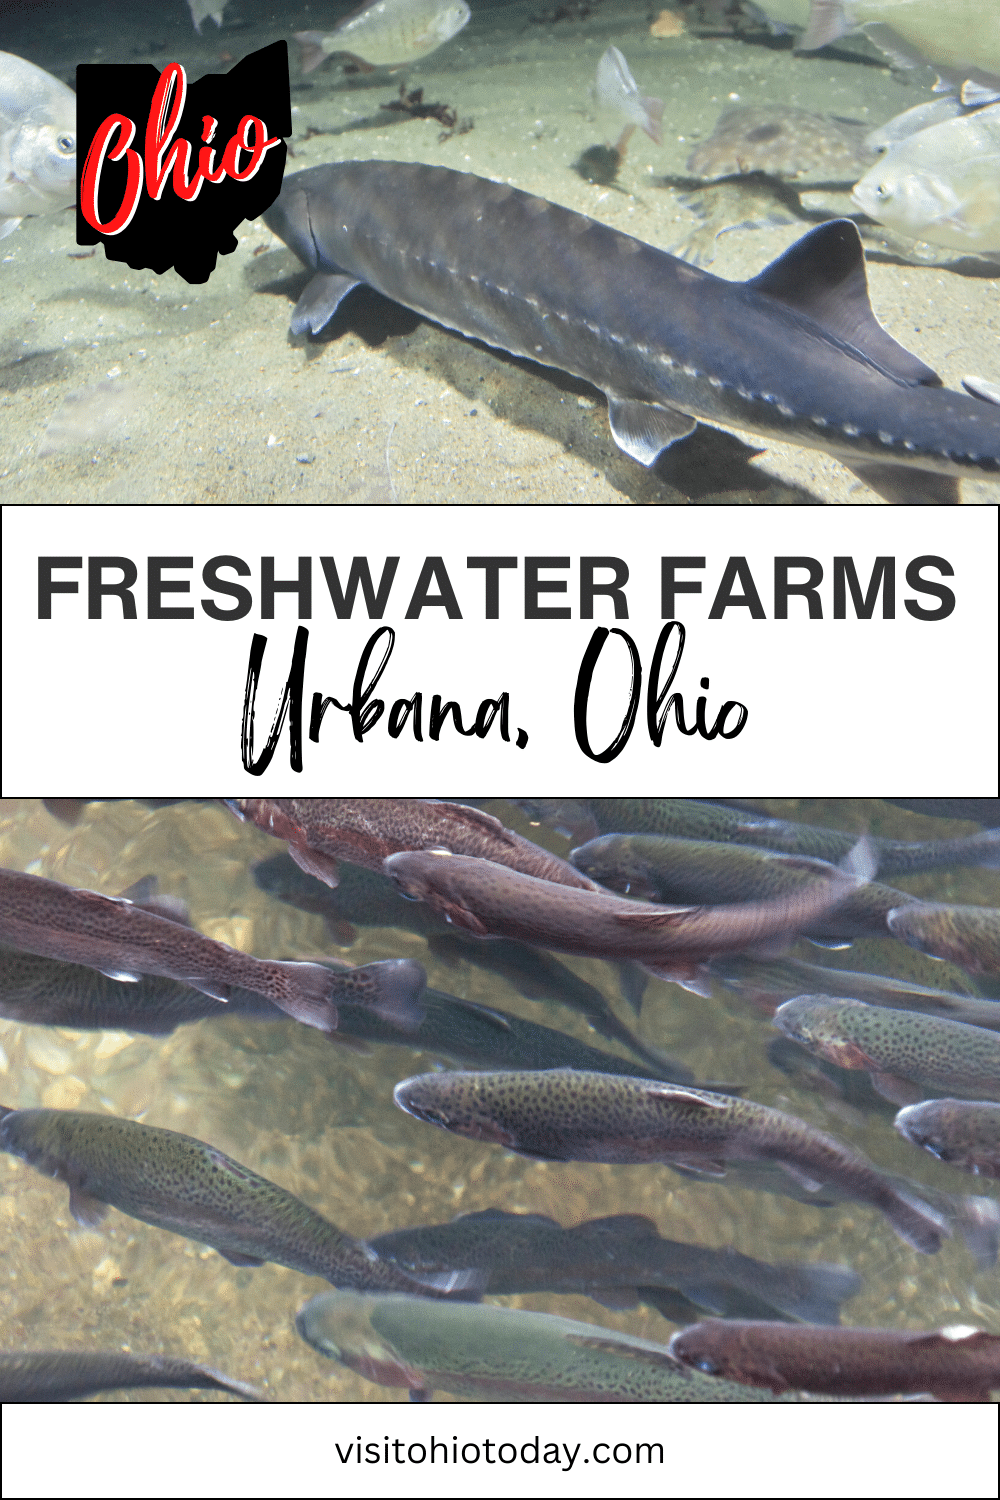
x=386, y=33
x=695, y=872
x=619, y=1261
x=37, y=142
x=782, y=142
x=122, y=940
x=959, y=31
x=957, y=1131
x=672, y=941
x=498, y=1353
x=967, y=935
x=952, y=1364
x=365, y=898
x=206, y=9
x=65, y=1375
x=795, y=353
x=366, y=830
x=187, y=1187
x=46, y=992
x=941, y=184
x=563, y=1115
x=903, y=1053
x=618, y=96
x=679, y=817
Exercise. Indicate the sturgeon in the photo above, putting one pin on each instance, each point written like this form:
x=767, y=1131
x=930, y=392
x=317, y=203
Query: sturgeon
x=795, y=353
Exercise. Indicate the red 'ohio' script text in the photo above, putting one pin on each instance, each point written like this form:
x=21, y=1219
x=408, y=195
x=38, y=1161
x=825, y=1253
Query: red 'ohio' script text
x=164, y=116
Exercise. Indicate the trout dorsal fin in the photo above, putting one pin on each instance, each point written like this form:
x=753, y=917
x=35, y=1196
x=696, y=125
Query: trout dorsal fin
x=823, y=276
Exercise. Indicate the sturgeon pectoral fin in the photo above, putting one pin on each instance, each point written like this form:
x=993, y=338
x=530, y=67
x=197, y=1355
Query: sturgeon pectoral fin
x=823, y=276
x=86, y=1209
x=984, y=389
x=320, y=301
x=643, y=430
x=902, y=486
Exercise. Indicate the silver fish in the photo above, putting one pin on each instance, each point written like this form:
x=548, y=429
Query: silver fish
x=795, y=353
x=386, y=33
x=37, y=142
x=958, y=31
x=941, y=184
x=618, y=95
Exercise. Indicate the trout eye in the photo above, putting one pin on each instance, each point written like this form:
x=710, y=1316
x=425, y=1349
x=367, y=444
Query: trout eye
x=707, y=1366
x=67, y=144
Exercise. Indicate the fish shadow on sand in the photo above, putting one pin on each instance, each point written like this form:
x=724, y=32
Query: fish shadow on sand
x=709, y=464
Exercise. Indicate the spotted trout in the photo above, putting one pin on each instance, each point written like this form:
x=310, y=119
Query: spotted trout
x=366, y=830
x=953, y=1364
x=619, y=1261
x=902, y=1052
x=123, y=941
x=47, y=992
x=680, y=817
x=67, y=1375
x=962, y=1133
x=698, y=872
x=562, y=1115
x=498, y=1353
x=796, y=353
x=967, y=935
x=366, y=898
x=489, y=900
x=183, y=1185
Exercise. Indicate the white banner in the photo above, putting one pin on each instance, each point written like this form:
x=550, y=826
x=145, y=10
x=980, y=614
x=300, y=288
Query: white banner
x=421, y=650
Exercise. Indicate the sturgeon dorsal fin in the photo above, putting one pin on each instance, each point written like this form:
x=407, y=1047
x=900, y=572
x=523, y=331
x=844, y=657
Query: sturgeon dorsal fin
x=643, y=430
x=823, y=276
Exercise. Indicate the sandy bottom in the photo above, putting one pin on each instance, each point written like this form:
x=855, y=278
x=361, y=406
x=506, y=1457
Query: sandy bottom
x=117, y=386
x=320, y=1121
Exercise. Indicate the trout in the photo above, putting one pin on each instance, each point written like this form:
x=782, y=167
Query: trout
x=498, y=1353
x=489, y=900
x=366, y=830
x=952, y=1364
x=562, y=1115
x=65, y=1375
x=185, y=1186
x=619, y=1261
x=901, y=1051
x=957, y=1131
x=122, y=940
x=967, y=935
x=678, y=817
x=696, y=872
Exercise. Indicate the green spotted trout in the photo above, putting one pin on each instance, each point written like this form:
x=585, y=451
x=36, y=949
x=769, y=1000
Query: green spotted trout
x=563, y=1115
x=123, y=940
x=489, y=1353
x=183, y=1185
x=796, y=353
x=904, y=1053
x=961, y=1132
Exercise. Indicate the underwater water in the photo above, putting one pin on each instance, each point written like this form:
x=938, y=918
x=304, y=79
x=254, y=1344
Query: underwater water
x=119, y=386
x=319, y=1118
